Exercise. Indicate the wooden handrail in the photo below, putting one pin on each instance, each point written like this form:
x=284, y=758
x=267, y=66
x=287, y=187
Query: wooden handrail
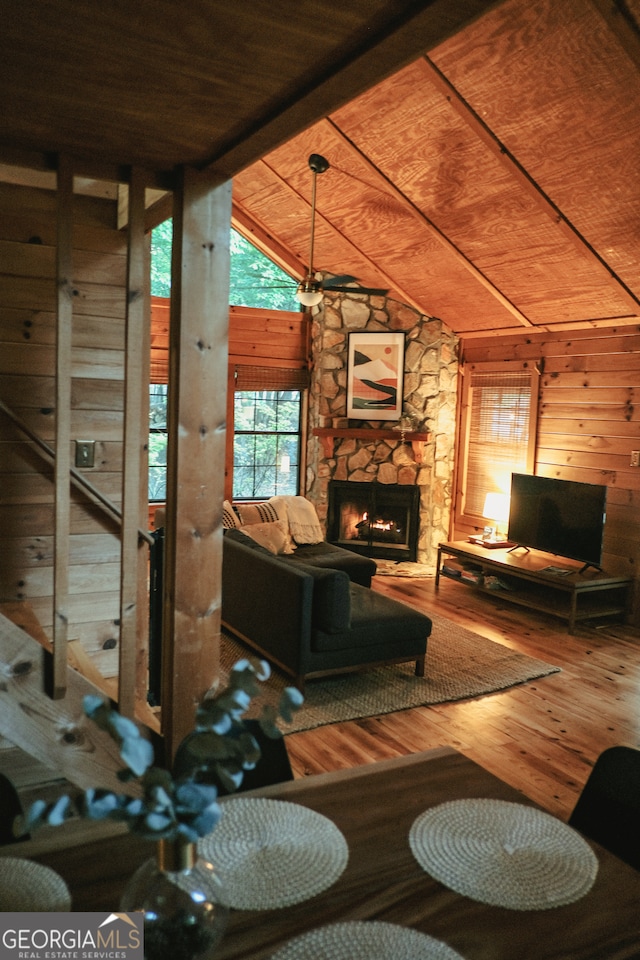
x=77, y=479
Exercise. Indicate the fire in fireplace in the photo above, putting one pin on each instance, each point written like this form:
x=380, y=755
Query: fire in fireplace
x=375, y=519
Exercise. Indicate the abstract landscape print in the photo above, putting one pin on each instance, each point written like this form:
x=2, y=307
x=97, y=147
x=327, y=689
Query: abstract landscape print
x=375, y=373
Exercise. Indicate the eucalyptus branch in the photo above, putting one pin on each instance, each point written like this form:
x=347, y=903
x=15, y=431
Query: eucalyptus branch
x=177, y=805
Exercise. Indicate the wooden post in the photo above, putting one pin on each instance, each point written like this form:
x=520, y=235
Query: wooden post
x=64, y=326
x=136, y=390
x=195, y=462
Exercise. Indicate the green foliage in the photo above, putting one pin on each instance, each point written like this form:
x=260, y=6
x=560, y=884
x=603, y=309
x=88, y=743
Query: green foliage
x=255, y=281
x=161, y=240
x=177, y=805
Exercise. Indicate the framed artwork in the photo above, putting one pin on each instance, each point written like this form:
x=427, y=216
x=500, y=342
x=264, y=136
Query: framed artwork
x=375, y=375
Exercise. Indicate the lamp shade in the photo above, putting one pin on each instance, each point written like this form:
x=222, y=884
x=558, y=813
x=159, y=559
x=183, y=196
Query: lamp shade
x=496, y=507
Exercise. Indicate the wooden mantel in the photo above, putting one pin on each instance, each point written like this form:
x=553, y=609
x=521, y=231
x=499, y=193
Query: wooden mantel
x=327, y=436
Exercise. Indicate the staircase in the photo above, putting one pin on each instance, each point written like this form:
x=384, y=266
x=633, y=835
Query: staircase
x=55, y=732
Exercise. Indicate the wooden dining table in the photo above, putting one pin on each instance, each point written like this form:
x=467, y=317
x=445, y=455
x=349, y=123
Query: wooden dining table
x=374, y=806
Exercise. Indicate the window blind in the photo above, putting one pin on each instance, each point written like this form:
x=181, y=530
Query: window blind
x=249, y=377
x=498, y=434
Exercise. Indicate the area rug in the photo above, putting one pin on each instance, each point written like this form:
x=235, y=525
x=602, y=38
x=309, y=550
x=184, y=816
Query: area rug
x=403, y=568
x=461, y=665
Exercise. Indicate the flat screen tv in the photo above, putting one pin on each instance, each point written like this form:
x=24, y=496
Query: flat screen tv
x=562, y=517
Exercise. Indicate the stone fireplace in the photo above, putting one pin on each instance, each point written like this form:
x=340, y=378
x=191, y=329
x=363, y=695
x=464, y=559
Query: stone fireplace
x=377, y=453
x=375, y=519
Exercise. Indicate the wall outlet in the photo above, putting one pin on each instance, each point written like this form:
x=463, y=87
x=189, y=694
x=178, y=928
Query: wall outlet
x=635, y=458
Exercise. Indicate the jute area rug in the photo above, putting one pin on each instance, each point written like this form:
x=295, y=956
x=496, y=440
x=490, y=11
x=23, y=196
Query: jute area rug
x=461, y=665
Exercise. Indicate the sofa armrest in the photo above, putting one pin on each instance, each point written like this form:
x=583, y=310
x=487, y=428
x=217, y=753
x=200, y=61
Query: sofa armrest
x=267, y=602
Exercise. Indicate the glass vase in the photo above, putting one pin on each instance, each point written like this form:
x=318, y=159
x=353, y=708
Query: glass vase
x=182, y=899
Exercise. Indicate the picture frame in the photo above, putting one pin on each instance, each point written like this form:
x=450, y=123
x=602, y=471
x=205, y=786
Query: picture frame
x=375, y=375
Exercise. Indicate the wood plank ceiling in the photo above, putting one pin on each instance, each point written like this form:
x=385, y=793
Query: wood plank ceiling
x=484, y=155
x=493, y=183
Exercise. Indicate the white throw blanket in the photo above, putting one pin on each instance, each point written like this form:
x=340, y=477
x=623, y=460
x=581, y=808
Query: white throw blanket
x=304, y=525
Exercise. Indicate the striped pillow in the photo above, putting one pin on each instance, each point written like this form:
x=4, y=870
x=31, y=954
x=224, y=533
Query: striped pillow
x=257, y=513
x=229, y=517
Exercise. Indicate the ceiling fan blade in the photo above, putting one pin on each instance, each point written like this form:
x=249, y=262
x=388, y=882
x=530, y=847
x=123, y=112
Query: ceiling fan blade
x=371, y=291
x=343, y=278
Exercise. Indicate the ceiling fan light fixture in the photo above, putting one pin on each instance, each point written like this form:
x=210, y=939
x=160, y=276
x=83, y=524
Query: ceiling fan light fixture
x=309, y=293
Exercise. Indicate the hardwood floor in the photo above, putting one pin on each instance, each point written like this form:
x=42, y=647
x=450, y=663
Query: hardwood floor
x=541, y=737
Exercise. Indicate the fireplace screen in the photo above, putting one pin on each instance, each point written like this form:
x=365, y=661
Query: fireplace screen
x=377, y=520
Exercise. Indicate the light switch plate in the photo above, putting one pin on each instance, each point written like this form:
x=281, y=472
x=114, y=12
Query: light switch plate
x=85, y=453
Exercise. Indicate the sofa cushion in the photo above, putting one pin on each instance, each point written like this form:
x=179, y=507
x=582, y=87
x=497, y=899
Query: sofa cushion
x=255, y=513
x=358, y=568
x=242, y=538
x=331, y=611
x=273, y=536
x=375, y=619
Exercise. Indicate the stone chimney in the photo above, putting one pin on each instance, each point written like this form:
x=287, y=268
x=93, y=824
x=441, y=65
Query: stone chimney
x=430, y=397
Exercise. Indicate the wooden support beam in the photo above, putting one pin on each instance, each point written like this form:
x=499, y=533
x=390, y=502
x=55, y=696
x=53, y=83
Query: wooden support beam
x=414, y=28
x=64, y=328
x=196, y=449
x=134, y=458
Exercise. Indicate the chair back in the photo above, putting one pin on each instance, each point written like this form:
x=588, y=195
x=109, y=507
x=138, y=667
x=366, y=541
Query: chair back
x=608, y=809
x=10, y=808
x=272, y=767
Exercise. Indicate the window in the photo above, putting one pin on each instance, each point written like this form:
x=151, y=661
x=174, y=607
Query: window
x=266, y=447
x=498, y=432
x=157, y=442
x=268, y=402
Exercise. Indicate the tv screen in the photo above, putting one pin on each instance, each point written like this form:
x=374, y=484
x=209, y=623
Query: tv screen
x=558, y=516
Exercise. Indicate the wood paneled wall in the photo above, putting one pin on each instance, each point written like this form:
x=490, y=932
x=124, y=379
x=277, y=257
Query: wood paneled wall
x=588, y=422
x=257, y=337
x=27, y=386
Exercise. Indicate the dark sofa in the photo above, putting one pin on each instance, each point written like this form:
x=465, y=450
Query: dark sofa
x=311, y=619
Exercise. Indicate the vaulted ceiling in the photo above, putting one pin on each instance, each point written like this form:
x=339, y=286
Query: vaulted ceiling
x=484, y=156
x=493, y=182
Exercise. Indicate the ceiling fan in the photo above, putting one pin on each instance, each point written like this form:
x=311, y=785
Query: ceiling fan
x=310, y=291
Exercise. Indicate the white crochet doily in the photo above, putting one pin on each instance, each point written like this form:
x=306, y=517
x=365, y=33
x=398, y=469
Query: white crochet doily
x=27, y=886
x=363, y=940
x=272, y=853
x=504, y=854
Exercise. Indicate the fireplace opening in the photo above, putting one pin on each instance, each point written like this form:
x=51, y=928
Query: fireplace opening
x=375, y=519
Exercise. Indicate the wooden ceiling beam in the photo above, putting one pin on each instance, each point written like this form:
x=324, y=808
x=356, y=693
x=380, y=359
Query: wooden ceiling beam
x=574, y=328
x=404, y=37
x=526, y=182
x=389, y=188
x=47, y=163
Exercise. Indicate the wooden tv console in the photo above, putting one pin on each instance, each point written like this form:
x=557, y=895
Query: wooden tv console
x=521, y=576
